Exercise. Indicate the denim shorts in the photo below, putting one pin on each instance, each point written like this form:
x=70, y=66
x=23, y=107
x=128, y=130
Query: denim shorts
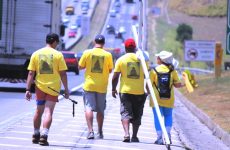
x=94, y=101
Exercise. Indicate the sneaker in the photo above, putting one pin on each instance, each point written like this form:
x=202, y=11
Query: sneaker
x=35, y=138
x=100, y=135
x=43, y=140
x=159, y=141
x=134, y=139
x=126, y=139
x=90, y=135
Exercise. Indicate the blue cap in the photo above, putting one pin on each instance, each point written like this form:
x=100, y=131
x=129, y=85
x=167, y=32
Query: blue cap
x=100, y=39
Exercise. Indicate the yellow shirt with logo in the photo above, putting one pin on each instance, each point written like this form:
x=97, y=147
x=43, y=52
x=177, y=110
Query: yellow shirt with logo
x=132, y=75
x=97, y=62
x=47, y=62
x=173, y=79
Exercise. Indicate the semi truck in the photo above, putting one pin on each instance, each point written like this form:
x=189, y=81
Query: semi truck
x=24, y=25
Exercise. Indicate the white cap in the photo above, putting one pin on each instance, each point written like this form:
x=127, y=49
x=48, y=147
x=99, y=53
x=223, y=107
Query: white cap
x=167, y=57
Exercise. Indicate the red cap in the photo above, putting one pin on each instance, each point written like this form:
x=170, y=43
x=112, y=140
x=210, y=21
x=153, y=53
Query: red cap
x=130, y=43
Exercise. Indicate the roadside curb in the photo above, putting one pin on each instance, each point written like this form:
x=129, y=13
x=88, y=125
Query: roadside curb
x=204, y=118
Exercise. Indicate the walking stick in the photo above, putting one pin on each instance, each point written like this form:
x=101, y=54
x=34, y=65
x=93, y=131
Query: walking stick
x=74, y=102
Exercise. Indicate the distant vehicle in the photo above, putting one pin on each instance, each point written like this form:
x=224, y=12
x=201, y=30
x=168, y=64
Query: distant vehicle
x=113, y=13
x=122, y=30
x=78, y=21
x=72, y=34
x=84, y=10
x=110, y=29
x=129, y=1
x=134, y=17
x=69, y=10
x=73, y=27
x=117, y=4
x=85, y=3
x=71, y=61
x=66, y=21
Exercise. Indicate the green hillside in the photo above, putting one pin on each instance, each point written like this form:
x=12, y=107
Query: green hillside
x=209, y=8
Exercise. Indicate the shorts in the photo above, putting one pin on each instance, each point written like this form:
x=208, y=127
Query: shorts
x=94, y=101
x=131, y=107
x=41, y=97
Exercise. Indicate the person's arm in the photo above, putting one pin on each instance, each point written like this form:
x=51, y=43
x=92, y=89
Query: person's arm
x=29, y=82
x=178, y=85
x=114, y=83
x=65, y=83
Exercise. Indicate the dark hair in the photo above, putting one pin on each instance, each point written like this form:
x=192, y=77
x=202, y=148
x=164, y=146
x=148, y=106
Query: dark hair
x=52, y=37
x=129, y=49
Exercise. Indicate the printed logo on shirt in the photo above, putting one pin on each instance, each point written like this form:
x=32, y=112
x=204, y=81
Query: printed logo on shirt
x=46, y=64
x=133, y=70
x=97, y=64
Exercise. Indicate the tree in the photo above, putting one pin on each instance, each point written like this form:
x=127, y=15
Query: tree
x=184, y=32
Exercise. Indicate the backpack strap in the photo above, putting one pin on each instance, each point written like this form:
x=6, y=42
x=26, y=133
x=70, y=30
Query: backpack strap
x=153, y=81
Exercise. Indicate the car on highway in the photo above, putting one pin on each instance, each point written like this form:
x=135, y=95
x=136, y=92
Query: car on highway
x=69, y=10
x=72, y=34
x=65, y=21
x=78, y=20
x=71, y=61
x=73, y=27
x=134, y=17
x=110, y=29
x=112, y=13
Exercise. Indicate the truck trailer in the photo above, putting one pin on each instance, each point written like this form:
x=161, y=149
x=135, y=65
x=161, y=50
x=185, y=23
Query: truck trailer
x=24, y=25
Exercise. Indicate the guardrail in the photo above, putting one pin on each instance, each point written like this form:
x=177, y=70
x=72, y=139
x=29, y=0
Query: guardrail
x=195, y=70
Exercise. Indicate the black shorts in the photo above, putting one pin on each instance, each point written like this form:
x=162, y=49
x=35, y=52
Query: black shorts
x=131, y=107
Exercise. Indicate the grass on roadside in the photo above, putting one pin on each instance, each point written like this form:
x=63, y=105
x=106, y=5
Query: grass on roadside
x=208, y=8
x=213, y=97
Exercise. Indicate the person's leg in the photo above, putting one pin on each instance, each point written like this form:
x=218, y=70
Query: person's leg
x=138, y=102
x=100, y=108
x=89, y=119
x=48, y=113
x=126, y=114
x=90, y=103
x=37, y=120
x=125, y=124
x=40, y=102
x=168, y=121
x=157, y=126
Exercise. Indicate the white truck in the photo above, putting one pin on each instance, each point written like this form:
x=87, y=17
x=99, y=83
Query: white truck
x=24, y=25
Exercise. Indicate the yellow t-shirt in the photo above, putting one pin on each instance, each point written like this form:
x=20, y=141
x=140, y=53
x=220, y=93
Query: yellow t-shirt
x=132, y=75
x=47, y=62
x=97, y=62
x=173, y=79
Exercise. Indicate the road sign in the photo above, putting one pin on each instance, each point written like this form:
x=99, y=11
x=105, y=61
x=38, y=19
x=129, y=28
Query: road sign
x=199, y=50
x=228, y=30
